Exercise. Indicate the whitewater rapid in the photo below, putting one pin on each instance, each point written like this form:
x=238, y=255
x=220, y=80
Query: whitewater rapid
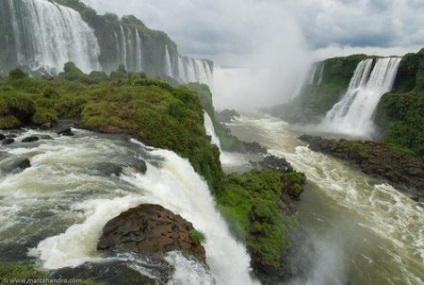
x=363, y=230
x=59, y=205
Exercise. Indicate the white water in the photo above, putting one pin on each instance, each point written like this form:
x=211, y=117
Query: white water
x=138, y=55
x=76, y=200
x=123, y=47
x=354, y=112
x=48, y=35
x=363, y=230
x=168, y=66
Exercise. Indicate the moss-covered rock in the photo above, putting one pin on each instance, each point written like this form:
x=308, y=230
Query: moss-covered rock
x=256, y=205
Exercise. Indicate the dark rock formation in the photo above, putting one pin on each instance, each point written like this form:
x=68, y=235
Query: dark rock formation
x=15, y=165
x=376, y=159
x=226, y=116
x=8, y=141
x=65, y=131
x=273, y=162
x=150, y=230
x=115, y=272
x=2, y=137
x=30, y=139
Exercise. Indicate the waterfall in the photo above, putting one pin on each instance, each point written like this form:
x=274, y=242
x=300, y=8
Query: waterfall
x=315, y=75
x=48, y=35
x=138, y=55
x=210, y=130
x=60, y=204
x=353, y=113
x=168, y=66
x=123, y=47
x=182, y=76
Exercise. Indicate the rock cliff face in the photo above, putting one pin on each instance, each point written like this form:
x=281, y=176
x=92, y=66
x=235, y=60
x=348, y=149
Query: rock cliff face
x=151, y=230
x=42, y=36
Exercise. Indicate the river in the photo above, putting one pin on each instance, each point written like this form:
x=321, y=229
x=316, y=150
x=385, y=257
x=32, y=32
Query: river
x=363, y=231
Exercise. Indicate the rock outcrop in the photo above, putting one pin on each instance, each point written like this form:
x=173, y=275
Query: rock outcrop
x=151, y=230
x=376, y=159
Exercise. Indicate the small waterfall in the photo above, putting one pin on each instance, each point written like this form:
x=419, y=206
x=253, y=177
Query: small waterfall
x=48, y=35
x=210, y=130
x=131, y=51
x=353, y=114
x=168, y=65
x=316, y=74
x=138, y=55
x=191, y=71
x=123, y=45
x=182, y=75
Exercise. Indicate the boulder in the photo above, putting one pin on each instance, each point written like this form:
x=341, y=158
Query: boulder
x=65, y=131
x=15, y=164
x=30, y=139
x=2, y=137
x=150, y=230
x=8, y=141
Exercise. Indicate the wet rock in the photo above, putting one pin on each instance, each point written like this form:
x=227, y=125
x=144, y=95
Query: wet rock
x=273, y=162
x=15, y=165
x=46, y=137
x=150, y=230
x=65, y=131
x=2, y=137
x=8, y=141
x=30, y=139
x=115, y=272
x=226, y=116
x=109, y=169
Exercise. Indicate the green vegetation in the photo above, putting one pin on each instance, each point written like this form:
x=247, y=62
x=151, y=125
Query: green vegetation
x=152, y=110
x=255, y=209
x=10, y=272
x=197, y=236
x=400, y=113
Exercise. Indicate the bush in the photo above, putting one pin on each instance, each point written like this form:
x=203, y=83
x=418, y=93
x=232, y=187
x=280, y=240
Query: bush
x=17, y=74
x=197, y=236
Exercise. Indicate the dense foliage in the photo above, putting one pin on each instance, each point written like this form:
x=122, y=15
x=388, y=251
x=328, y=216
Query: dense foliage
x=256, y=208
x=400, y=112
x=159, y=114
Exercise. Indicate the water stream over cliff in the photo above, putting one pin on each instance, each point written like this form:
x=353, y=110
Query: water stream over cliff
x=353, y=114
x=362, y=230
x=54, y=210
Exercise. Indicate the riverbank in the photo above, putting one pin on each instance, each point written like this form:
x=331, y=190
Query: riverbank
x=377, y=160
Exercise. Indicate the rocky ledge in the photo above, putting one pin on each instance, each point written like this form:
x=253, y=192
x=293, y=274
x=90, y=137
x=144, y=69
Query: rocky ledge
x=376, y=159
x=153, y=231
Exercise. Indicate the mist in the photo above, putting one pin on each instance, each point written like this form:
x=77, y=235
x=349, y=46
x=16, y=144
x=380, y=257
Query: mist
x=260, y=38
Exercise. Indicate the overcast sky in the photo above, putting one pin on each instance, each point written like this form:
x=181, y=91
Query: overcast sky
x=227, y=30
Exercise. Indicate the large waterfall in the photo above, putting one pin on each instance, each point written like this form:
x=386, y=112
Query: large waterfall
x=353, y=114
x=47, y=35
x=128, y=47
x=59, y=205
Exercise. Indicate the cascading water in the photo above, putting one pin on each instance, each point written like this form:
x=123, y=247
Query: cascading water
x=138, y=55
x=210, y=130
x=123, y=47
x=353, y=114
x=316, y=74
x=168, y=65
x=59, y=205
x=362, y=230
x=48, y=35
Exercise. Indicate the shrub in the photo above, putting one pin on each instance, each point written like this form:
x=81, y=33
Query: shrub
x=197, y=236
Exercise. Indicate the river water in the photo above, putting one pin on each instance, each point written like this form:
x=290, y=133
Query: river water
x=363, y=231
x=53, y=212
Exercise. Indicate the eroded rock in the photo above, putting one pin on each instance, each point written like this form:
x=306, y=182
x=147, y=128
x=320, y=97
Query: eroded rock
x=150, y=230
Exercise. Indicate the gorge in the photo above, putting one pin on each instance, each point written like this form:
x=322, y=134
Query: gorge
x=102, y=117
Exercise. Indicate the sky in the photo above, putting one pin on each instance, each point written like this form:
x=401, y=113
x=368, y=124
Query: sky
x=227, y=30
x=284, y=36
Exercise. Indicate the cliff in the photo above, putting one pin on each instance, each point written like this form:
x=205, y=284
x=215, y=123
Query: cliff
x=42, y=36
x=399, y=114
x=326, y=83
